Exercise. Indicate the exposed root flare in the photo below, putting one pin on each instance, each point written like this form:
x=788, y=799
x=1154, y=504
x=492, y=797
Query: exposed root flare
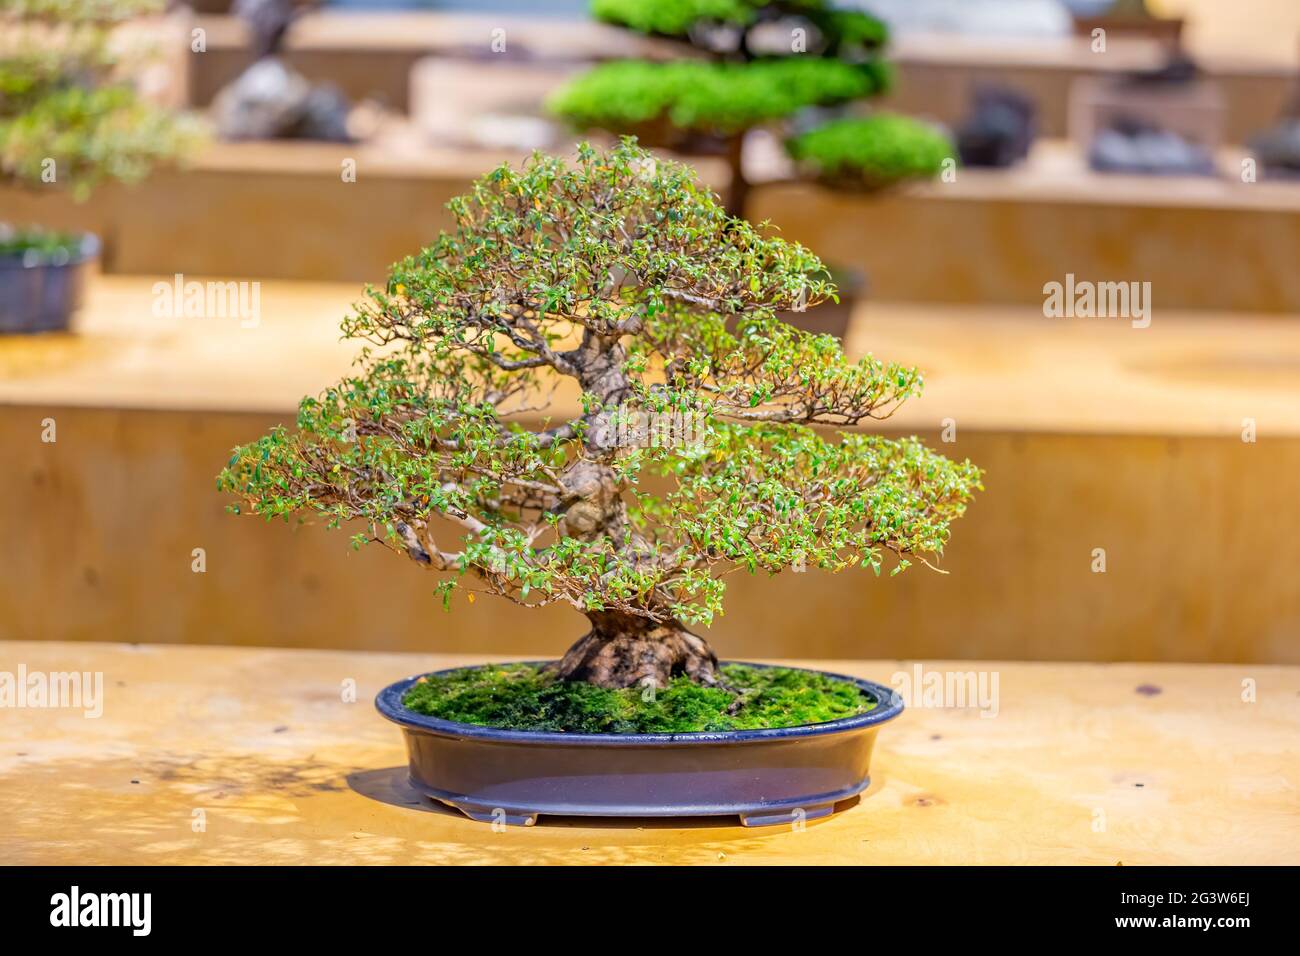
x=626, y=651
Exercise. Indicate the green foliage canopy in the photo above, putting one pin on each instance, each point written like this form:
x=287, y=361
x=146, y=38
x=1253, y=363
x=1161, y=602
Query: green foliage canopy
x=872, y=151
x=620, y=277
x=711, y=96
x=679, y=18
x=672, y=17
x=63, y=97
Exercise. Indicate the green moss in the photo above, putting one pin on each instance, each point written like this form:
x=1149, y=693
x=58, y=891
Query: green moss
x=723, y=97
x=523, y=697
x=873, y=150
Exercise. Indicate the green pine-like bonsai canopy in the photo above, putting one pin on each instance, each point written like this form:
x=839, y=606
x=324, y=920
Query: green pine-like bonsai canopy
x=620, y=274
x=781, y=64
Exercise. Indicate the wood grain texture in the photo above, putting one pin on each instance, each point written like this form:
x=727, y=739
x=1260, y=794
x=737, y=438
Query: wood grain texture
x=1077, y=766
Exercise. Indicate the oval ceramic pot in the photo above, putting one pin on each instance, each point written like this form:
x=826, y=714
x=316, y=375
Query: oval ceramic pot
x=38, y=294
x=764, y=776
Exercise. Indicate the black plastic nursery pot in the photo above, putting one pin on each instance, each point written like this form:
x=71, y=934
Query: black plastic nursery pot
x=765, y=777
x=39, y=291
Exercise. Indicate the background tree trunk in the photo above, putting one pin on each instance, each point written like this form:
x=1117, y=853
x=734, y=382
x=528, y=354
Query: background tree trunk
x=738, y=189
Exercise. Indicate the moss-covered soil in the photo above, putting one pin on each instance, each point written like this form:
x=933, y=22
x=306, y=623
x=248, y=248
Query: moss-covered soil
x=524, y=697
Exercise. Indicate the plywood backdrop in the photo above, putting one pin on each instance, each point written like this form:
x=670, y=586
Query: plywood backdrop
x=1198, y=534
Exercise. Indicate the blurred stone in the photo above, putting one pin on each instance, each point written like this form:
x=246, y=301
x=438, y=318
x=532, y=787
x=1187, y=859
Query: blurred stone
x=1278, y=149
x=1132, y=146
x=1000, y=129
x=325, y=116
x=271, y=101
x=263, y=101
x=1163, y=120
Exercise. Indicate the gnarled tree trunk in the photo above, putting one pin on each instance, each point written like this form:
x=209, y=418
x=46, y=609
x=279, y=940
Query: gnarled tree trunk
x=623, y=650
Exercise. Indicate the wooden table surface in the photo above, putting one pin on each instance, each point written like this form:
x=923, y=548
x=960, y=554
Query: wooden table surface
x=223, y=755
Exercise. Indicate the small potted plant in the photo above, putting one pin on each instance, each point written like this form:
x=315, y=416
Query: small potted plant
x=693, y=454
x=793, y=67
x=69, y=118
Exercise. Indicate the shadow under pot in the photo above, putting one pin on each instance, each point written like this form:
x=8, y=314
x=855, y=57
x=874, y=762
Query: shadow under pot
x=41, y=281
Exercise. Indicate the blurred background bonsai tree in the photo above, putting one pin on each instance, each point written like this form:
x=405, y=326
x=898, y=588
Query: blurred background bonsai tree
x=797, y=66
x=70, y=118
x=69, y=112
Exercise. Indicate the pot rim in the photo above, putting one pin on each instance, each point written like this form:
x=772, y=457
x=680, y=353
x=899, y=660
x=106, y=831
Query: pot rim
x=389, y=703
x=88, y=248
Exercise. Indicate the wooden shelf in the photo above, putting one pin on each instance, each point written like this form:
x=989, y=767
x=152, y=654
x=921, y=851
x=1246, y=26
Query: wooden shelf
x=1169, y=759
x=1003, y=369
x=997, y=236
x=284, y=211
x=1056, y=171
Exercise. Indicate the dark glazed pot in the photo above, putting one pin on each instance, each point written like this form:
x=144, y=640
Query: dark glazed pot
x=764, y=776
x=38, y=293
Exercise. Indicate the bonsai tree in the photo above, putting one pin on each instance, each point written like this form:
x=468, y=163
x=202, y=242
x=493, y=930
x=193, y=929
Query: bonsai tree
x=622, y=277
x=756, y=63
x=68, y=114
